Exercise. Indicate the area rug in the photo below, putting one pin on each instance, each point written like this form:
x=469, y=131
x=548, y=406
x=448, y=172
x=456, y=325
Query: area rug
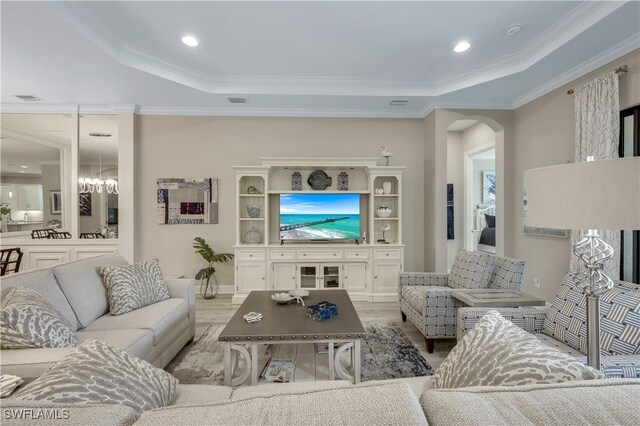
x=386, y=353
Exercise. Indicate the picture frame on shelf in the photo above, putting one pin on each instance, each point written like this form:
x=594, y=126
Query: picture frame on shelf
x=56, y=202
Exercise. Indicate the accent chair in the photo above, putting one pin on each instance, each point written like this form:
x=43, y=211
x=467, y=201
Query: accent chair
x=425, y=296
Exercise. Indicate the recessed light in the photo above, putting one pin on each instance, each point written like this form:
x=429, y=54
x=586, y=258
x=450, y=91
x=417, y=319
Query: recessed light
x=512, y=29
x=190, y=41
x=22, y=171
x=462, y=46
x=23, y=167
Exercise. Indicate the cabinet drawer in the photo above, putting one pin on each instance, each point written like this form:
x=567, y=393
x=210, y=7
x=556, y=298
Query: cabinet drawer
x=387, y=254
x=319, y=254
x=356, y=254
x=251, y=255
x=282, y=254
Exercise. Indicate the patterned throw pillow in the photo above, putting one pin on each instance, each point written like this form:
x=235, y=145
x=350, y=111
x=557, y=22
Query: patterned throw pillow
x=471, y=270
x=27, y=320
x=566, y=320
x=131, y=287
x=498, y=353
x=96, y=372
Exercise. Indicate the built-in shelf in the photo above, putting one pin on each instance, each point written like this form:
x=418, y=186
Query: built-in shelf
x=290, y=191
x=385, y=195
x=251, y=195
x=252, y=218
x=385, y=218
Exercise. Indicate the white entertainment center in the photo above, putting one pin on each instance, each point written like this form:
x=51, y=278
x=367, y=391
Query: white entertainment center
x=368, y=271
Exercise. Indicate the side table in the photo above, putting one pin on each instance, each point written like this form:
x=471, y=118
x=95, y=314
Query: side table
x=495, y=298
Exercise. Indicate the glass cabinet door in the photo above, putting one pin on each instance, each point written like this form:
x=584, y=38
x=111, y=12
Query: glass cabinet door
x=308, y=276
x=331, y=276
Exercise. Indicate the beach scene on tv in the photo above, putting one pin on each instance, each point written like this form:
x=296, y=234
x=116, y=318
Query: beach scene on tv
x=319, y=216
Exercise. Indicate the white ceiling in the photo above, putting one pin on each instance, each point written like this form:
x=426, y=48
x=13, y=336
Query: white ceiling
x=304, y=58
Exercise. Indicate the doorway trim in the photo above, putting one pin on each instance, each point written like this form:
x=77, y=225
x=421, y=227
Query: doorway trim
x=468, y=240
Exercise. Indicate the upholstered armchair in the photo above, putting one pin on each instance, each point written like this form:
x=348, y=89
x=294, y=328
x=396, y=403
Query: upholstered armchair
x=425, y=297
x=563, y=325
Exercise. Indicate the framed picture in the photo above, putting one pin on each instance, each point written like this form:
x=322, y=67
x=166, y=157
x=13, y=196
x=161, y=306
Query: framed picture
x=56, y=202
x=488, y=187
x=84, y=203
x=186, y=201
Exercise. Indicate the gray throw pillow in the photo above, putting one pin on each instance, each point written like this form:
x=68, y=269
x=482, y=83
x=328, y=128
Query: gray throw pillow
x=131, y=287
x=471, y=269
x=498, y=353
x=27, y=320
x=96, y=372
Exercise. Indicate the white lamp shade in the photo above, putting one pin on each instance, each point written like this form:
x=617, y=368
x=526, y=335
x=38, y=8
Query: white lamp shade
x=589, y=195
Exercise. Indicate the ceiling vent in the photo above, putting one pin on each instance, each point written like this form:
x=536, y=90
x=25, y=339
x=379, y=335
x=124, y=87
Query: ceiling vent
x=29, y=98
x=238, y=100
x=100, y=135
x=398, y=102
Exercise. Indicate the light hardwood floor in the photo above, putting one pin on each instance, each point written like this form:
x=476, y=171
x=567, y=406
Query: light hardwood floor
x=220, y=310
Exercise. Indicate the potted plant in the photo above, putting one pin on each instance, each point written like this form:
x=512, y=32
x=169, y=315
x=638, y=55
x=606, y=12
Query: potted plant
x=208, y=281
x=5, y=216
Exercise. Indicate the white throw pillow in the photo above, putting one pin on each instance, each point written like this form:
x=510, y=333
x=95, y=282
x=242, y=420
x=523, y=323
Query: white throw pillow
x=131, y=287
x=496, y=352
x=96, y=372
x=27, y=320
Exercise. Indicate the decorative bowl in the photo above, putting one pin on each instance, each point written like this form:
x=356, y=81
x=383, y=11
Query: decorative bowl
x=299, y=293
x=282, y=298
x=383, y=211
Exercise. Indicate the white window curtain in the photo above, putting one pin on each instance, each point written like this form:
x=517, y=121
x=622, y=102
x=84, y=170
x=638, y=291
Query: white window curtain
x=597, y=110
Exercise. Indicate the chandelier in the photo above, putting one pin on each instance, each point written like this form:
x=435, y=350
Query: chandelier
x=91, y=185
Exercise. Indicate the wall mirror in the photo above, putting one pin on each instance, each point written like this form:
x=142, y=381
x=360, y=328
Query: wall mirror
x=98, y=176
x=34, y=182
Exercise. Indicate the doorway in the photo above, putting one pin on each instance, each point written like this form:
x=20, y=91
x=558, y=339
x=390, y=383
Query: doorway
x=472, y=193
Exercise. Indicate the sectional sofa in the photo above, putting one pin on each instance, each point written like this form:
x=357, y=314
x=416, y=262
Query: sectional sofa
x=155, y=333
x=388, y=402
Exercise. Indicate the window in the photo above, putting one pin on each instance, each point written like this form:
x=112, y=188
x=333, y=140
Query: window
x=630, y=239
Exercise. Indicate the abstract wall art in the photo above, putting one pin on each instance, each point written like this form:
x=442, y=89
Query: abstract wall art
x=187, y=201
x=450, y=223
x=489, y=187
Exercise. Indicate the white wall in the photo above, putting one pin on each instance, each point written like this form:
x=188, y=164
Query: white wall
x=185, y=146
x=545, y=135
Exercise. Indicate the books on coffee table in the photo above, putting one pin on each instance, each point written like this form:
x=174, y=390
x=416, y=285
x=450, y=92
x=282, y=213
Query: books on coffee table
x=280, y=370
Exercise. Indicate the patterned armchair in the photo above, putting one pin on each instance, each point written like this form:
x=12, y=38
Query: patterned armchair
x=563, y=325
x=426, y=300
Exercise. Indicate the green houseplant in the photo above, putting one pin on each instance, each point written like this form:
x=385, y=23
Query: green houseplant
x=208, y=281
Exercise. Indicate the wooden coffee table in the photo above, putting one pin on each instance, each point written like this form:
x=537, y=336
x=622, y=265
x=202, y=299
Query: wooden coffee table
x=495, y=298
x=289, y=324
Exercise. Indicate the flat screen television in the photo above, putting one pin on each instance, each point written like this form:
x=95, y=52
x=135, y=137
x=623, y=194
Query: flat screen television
x=319, y=217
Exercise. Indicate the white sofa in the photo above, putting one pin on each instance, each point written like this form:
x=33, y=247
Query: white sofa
x=387, y=402
x=155, y=333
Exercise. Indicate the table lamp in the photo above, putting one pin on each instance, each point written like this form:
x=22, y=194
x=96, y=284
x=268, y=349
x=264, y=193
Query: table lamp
x=590, y=195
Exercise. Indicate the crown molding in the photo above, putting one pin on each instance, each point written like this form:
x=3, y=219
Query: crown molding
x=609, y=55
x=38, y=108
x=278, y=112
x=561, y=32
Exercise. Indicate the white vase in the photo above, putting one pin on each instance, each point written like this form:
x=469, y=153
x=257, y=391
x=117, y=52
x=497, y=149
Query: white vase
x=386, y=187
